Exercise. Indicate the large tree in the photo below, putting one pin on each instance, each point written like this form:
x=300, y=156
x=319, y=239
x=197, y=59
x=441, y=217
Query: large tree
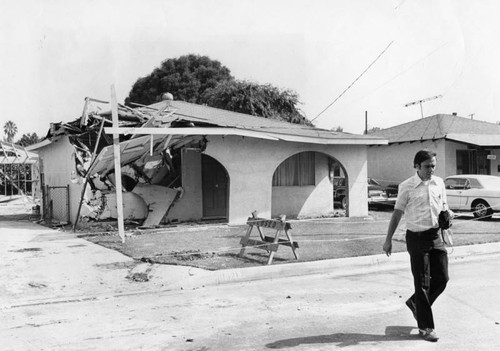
x=10, y=130
x=198, y=79
x=28, y=139
x=186, y=78
x=256, y=100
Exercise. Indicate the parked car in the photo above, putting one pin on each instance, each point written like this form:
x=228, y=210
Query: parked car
x=474, y=192
x=377, y=193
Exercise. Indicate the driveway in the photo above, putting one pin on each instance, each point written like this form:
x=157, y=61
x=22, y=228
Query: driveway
x=41, y=265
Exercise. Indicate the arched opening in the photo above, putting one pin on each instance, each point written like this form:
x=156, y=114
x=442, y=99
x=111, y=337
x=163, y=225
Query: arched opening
x=215, y=188
x=305, y=185
x=338, y=177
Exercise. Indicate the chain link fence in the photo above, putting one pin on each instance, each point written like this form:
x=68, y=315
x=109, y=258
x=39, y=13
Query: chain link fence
x=57, y=204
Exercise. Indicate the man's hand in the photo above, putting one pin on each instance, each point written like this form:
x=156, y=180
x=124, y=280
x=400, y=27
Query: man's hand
x=393, y=224
x=387, y=247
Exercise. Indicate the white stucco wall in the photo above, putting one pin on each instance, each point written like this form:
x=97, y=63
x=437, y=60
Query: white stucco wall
x=251, y=163
x=451, y=156
x=394, y=163
x=57, y=160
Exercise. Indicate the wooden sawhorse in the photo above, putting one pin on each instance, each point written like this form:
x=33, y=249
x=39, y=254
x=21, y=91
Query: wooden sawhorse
x=269, y=243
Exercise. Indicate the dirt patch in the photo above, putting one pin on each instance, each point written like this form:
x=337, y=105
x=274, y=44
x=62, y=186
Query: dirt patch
x=117, y=265
x=138, y=277
x=217, y=246
x=28, y=249
x=189, y=255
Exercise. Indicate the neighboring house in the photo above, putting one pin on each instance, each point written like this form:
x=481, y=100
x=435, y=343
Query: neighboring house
x=18, y=170
x=463, y=146
x=187, y=162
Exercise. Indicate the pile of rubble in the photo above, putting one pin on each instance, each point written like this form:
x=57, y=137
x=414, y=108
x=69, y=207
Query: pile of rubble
x=150, y=164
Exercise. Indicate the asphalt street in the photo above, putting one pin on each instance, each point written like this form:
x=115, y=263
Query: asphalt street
x=59, y=292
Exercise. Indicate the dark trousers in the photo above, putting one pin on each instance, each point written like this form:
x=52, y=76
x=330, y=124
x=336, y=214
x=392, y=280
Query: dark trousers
x=429, y=266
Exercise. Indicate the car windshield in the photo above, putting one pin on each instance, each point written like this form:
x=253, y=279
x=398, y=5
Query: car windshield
x=372, y=181
x=493, y=182
x=455, y=183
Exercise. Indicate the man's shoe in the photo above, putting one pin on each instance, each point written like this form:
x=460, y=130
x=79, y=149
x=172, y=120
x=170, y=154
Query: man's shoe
x=428, y=334
x=413, y=308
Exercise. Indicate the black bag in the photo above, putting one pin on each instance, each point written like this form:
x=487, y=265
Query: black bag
x=444, y=220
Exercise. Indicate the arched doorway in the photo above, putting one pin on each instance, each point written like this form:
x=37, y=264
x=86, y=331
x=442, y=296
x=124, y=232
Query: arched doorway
x=304, y=185
x=338, y=177
x=215, y=188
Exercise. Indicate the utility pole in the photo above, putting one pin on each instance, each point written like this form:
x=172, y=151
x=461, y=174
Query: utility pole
x=366, y=122
x=422, y=101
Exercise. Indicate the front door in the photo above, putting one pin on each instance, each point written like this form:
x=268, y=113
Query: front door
x=215, y=188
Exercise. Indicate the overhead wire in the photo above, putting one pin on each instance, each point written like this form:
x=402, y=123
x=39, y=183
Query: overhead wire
x=362, y=73
x=398, y=74
x=409, y=68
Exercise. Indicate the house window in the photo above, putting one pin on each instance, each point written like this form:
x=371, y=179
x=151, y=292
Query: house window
x=297, y=170
x=472, y=162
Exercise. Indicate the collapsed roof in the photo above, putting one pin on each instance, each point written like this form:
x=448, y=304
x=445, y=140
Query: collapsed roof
x=165, y=127
x=15, y=154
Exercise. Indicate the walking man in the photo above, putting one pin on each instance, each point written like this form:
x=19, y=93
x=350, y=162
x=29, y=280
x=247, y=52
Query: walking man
x=421, y=198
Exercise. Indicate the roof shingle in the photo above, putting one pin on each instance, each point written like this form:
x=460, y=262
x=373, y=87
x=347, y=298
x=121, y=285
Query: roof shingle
x=223, y=118
x=437, y=127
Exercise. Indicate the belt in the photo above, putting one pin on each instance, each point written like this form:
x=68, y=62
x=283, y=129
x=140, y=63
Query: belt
x=428, y=231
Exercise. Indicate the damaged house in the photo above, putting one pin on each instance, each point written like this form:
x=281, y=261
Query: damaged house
x=186, y=162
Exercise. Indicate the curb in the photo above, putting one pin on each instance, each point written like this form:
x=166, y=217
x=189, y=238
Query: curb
x=168, y=278
x=334, y=267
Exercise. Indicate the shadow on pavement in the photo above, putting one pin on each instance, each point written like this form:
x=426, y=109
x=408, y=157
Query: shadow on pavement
x=392, y=333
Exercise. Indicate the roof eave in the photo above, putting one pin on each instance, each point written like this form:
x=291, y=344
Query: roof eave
x=39, y=145
x=247, y=133
x=488, y=140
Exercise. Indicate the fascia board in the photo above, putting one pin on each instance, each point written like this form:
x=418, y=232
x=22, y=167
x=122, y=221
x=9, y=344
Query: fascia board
x=476, y=139
x=39, y=145
x=248, y=133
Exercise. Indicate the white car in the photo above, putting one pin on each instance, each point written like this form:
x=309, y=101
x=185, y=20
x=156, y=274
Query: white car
x=474, y=192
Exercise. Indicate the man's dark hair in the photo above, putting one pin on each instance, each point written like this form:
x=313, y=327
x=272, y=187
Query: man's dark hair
x=421, y=156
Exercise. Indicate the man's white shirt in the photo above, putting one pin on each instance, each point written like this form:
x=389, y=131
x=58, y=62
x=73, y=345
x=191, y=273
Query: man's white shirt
x=421, y=201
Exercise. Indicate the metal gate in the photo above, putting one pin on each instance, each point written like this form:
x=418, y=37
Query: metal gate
x=57, y=204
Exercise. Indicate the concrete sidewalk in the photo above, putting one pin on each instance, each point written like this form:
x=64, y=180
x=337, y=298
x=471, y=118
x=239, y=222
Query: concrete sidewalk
x=45, y=266
x=196, y=278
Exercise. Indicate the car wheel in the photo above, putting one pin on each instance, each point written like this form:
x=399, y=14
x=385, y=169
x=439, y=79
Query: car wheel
x=481, y=209
x=344, y=203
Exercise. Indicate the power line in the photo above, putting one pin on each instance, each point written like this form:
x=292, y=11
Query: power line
x=367, y=68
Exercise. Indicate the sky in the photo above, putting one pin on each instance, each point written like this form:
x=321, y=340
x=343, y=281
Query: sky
x=357, y=57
